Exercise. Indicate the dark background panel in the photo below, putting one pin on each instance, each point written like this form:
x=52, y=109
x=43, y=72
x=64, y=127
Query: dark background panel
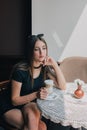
x=15, y=25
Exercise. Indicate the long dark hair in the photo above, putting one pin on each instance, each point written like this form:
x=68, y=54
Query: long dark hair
x=27, y=62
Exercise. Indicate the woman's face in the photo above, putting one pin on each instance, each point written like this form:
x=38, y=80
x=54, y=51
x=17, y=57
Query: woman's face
x=40, y=51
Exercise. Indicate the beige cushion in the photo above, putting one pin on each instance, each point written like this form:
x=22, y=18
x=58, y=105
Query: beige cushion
x=74, y=67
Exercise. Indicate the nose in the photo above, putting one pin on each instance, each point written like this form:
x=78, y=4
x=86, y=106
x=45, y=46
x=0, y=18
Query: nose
x=41, y=51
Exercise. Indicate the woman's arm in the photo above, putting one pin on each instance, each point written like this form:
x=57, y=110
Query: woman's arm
x=59, y=80
x=20, y=100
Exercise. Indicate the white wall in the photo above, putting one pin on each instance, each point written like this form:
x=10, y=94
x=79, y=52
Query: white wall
x=77, y=44
x=64, y=23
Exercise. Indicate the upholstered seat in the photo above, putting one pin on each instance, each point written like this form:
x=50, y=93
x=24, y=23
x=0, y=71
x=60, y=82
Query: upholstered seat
x=74, y=67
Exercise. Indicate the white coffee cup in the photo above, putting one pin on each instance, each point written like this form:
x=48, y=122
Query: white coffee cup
x=49, y=85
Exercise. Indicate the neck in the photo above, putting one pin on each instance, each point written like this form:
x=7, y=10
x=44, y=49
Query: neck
x=37, y=67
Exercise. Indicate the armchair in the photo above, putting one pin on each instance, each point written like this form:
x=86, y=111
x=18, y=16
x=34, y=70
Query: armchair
x=74, y=67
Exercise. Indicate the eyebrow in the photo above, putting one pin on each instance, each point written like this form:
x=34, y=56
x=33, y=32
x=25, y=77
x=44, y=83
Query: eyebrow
x=42, y=46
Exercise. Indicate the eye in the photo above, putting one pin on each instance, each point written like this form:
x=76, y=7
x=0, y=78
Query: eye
x=44, y=48
x=36, y=49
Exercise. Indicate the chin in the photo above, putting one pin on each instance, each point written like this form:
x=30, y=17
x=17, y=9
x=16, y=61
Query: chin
x=41, y=60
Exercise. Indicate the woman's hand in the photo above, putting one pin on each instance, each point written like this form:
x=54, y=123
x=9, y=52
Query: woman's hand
x=43, y=93
x=49, y=61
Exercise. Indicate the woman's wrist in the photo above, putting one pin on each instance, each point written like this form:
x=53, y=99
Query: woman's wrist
x=55, y=65
x=31, y=96
x=36, y=95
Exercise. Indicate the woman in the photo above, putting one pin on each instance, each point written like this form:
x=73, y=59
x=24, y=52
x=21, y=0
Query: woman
x=27, y=84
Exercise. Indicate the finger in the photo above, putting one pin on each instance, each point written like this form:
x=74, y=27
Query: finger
x=44, y=93
x=44, y=96
x=44, y=62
